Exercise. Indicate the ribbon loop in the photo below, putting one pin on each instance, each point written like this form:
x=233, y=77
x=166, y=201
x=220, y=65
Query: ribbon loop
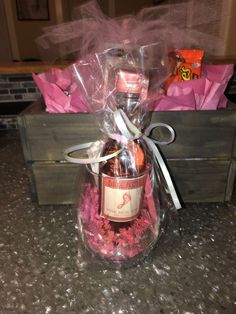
x=152, y=126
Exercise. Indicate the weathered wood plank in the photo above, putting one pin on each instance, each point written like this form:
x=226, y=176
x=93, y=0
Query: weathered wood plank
x=201, y=134
x=200, y=180
x=55, y=183
x=49, y=137
x=234, y=145
x=26, y=147
x=231, y=179
x=196, y=180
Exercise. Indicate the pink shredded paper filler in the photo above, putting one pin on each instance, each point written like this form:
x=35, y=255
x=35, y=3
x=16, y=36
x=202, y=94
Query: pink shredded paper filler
x=100, y=237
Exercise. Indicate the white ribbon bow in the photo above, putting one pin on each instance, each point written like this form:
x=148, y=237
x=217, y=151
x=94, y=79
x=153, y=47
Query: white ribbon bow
x=130, y=132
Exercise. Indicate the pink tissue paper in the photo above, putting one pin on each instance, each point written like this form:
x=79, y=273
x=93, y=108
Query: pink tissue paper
x=61, y=94
x=206, y=93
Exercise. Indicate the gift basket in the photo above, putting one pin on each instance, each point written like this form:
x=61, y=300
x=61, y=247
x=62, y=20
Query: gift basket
x=122, y=70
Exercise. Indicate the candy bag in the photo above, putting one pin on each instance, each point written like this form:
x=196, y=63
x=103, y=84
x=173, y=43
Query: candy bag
x=184, y=65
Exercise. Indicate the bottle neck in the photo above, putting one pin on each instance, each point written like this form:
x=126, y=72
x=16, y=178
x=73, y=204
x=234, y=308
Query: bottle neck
x=128, y=102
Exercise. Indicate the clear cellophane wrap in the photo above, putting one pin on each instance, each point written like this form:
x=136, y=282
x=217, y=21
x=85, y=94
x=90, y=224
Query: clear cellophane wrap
x=97, y=76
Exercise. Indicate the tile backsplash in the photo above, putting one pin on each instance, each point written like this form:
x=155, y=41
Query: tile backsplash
x=17, y=88
x=16, y=92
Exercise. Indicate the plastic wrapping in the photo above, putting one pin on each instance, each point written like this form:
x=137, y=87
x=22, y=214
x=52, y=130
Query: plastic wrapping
x=126, y=190
x=98, y=74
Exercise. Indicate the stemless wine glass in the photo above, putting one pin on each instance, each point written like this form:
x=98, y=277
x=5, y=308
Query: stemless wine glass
x=121, y=247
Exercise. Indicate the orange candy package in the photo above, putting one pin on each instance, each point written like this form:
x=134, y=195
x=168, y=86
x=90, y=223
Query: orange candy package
x=184, y=65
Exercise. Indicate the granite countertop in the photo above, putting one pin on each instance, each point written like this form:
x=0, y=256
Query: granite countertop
x=192, y=270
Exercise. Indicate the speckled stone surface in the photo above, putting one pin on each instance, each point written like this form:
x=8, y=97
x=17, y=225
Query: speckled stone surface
x=192, y=270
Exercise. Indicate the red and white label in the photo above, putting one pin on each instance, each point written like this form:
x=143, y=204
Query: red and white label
x=121, y=197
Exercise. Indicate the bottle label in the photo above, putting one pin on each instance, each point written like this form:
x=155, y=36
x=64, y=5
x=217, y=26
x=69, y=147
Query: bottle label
x=121, y=197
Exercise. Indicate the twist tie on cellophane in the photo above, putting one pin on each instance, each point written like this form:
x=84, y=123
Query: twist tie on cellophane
x=131, y=132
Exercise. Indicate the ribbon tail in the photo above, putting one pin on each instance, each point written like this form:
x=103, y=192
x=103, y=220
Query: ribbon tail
x=164, y=171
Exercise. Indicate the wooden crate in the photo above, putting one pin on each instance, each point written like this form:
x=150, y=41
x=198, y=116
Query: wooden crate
x=202, y=160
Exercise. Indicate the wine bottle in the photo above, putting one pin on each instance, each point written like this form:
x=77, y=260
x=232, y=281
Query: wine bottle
x=123, y=177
